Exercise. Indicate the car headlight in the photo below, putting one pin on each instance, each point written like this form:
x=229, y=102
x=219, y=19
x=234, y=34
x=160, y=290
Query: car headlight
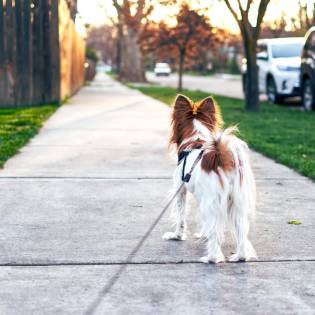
x=287, y=68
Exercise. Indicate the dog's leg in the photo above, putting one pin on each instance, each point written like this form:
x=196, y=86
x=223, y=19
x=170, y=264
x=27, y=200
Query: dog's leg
x=180, y=205
x=213, y=218
x=240, y=223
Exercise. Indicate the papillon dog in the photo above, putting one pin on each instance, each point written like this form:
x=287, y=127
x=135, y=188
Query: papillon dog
x=214, y=166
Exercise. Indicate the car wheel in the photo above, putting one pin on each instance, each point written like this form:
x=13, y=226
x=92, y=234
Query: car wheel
x=307, y=95
x=272, y=95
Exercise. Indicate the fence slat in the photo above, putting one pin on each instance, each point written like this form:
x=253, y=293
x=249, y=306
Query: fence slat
x=10, y=52
x=1, y=33
x=19, y=52
x=38, y=53
x=27, y=78
x=2, y=64
x=54, y=47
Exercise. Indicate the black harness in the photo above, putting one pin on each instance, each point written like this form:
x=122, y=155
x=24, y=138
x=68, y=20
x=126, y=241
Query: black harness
x=183, y=156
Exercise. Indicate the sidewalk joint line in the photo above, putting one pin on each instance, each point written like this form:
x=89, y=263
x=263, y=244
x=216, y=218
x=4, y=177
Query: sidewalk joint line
x=137, y=177
x=84, y=177
x=187, y=262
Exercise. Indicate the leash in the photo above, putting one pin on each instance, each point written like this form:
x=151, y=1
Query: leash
x=122, y=268
x=173, y=197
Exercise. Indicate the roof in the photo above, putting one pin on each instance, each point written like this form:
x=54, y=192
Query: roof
x=282, y=40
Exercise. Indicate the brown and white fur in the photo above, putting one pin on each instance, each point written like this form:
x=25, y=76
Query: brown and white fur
x=222, y=181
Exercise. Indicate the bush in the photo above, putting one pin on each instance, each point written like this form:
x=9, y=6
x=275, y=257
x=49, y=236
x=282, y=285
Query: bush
x=91, y=54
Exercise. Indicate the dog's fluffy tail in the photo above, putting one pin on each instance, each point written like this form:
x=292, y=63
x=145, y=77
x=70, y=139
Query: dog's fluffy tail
x=244, y=188
x=218, y=154
x=228, y=153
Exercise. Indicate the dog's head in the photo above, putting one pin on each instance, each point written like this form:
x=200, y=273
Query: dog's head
x=185, y=111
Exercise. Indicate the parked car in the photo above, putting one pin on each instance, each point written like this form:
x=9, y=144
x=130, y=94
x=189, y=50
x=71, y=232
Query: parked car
x=307, y=77
x=279, y=61
x=162, y=69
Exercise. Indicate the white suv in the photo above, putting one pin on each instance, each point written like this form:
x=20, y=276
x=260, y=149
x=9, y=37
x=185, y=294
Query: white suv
x=279, y=62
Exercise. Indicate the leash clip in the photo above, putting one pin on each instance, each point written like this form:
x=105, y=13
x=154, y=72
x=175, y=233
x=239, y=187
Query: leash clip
x=187, y=177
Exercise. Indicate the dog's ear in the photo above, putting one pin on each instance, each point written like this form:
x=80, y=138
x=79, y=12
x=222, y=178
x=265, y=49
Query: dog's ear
x=207, y=104
x=182, y=102
x=209, y=112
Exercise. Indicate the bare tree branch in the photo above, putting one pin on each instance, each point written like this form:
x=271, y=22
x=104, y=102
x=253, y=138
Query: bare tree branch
x=116, y=5
x=249, y=2
x=140, y=10
x=240, y=6
x=244, y=14
x=234, y=13
x=261, y=13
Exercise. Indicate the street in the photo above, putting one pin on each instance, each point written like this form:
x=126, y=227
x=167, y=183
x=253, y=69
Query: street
x=220, y=84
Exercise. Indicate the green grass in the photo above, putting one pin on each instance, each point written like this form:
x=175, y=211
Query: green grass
x=18, y=126
x=284, y=134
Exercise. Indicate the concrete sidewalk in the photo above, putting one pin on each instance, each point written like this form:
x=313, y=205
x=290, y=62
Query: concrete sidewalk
x=80, y=230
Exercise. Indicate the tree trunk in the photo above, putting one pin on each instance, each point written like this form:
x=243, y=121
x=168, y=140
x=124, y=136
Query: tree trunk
x=119, y=46
x=251, y=88
x=180, y=70
x=132, y=65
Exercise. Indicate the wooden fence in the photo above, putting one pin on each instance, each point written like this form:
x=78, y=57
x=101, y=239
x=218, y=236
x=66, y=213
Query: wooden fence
x=34, y=68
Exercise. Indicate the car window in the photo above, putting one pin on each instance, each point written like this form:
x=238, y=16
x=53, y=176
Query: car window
x=262, y=48
x=286, y=50
x=262, y=52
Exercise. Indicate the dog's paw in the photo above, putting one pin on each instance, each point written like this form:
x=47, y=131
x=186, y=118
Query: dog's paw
x=198, y=235
x=171, y=236
x=245, y=257
x=215, y=260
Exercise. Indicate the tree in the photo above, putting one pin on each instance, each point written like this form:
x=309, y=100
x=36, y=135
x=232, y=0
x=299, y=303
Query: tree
x=103, y=40
x=130, y=16
x=276, y=28
x=286, y=25
x=250, y=35
x=306, y=17
x=191, y=36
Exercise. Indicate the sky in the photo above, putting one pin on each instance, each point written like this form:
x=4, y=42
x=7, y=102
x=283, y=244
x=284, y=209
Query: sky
x=95, y=12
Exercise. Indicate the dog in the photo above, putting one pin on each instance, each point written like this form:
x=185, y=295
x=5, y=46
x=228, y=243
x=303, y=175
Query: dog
x=214, y=166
